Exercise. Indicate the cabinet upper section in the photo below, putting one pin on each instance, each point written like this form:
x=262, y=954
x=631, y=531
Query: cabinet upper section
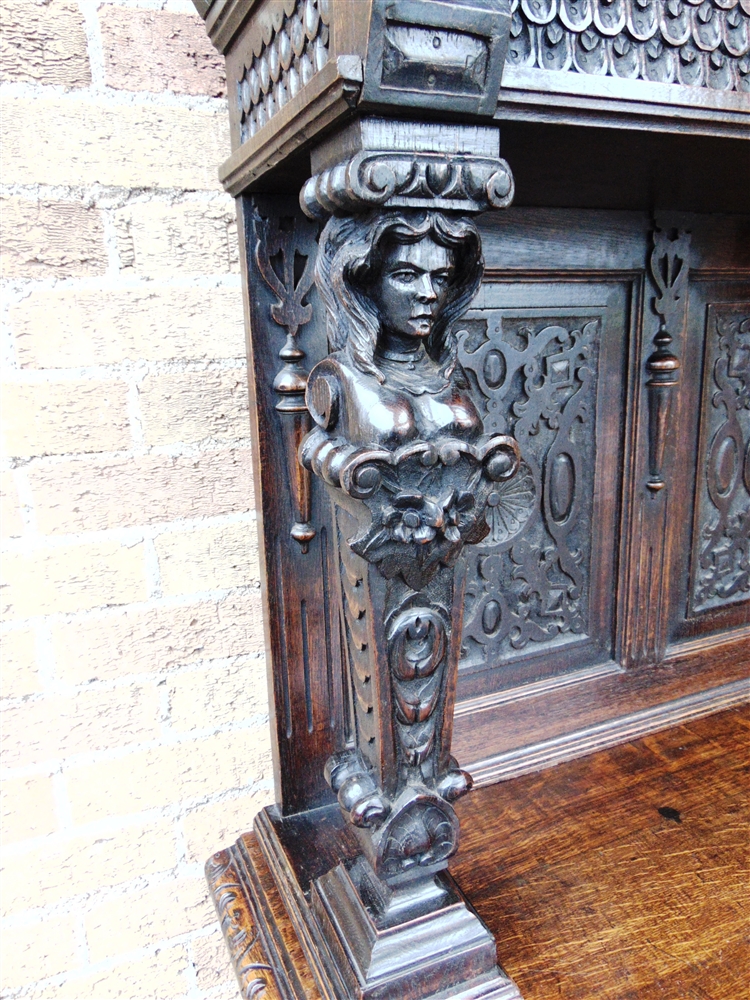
x=296, y=67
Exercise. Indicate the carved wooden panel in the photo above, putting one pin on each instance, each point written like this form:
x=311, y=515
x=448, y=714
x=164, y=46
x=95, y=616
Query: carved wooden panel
x=543, y=358
x=297, y=552
x=721, y=536
x=711, y=586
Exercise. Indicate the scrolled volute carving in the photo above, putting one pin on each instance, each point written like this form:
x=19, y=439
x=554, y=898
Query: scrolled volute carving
x=427, y=499
x=412, y=474
x=409, y=180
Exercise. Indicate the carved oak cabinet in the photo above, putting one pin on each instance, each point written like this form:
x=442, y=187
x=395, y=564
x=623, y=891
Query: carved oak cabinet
x=501, y=411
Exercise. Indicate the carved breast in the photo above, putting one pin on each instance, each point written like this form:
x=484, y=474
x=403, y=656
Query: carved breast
x=354, y=405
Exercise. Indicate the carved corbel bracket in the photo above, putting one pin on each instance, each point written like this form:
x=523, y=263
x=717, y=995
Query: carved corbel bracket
x=447, y=182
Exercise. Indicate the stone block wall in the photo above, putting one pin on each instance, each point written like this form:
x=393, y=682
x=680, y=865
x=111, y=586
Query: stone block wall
x=135, y=712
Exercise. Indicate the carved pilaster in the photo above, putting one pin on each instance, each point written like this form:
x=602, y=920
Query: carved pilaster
x=669, y=270
x=412, y=475
x=653, y=502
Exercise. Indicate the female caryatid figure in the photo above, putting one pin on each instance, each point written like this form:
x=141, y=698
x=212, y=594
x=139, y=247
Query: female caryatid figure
x=400, y=441
x=392, y=287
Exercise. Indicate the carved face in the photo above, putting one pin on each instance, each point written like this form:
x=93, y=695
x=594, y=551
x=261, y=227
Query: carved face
x=411, y=290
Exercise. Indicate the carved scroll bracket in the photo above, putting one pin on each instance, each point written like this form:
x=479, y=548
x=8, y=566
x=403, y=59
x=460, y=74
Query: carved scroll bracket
x=288, y=272
x=669, y=270
x=439, y=181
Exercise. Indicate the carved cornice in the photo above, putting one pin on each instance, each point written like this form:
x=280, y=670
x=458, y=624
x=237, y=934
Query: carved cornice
x=373, y=179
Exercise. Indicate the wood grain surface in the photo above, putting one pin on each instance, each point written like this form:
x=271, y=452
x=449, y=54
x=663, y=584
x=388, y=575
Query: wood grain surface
x=623, y=875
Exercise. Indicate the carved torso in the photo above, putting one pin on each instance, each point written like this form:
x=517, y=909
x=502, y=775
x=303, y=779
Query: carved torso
x=417, y=401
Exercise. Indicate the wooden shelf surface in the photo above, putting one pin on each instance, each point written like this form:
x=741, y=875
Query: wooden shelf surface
x=622, y=875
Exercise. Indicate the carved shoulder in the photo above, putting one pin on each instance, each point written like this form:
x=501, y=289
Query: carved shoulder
x=324, y=392
x=355, y=407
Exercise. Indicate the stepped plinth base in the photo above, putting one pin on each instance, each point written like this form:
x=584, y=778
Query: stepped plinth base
x=298, y=888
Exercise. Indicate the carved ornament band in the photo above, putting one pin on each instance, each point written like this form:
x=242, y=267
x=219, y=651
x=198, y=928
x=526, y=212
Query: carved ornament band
x=446, y=182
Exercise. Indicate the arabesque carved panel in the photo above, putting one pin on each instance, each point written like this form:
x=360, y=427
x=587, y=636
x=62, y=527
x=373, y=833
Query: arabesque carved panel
x=537, y=373
x=721, y=556
x=528, y=581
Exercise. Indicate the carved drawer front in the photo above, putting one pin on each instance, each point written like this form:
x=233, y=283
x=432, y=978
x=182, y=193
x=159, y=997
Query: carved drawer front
x=547, y=362
x=716, y=576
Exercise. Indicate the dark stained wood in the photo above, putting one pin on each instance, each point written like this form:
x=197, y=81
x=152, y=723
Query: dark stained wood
x=619, y=876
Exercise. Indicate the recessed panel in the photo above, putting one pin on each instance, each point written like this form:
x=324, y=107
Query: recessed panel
x=721, y=536
x=546, y=365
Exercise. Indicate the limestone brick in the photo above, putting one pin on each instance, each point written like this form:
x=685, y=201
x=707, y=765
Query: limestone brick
x=97, y=493
x=31, y=952
x=195, y=406
x=56, y=726
x=19, y=675
x=53, y=418
x=111, y=644
x=43, y=239
x=168, y=910
x=218, y=695
x=159, y=50
x=28, y=808
x=214, y=558
x=82, y=864
x=181, y=772
x=212, y=827
x=158, y=977
x=68, y=327
x=43, y=43
x=72, y=578
x=159, y=239
x=11, y=522
x=142, y=146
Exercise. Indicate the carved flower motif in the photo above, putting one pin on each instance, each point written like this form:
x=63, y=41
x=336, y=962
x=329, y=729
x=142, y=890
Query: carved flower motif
x=413, y=518
x=455, y=513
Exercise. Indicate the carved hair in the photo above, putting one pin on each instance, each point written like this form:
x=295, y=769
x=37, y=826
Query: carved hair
x=352, y=253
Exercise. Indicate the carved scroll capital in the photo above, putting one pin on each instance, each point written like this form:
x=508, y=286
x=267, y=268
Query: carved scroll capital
x=446, y=182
